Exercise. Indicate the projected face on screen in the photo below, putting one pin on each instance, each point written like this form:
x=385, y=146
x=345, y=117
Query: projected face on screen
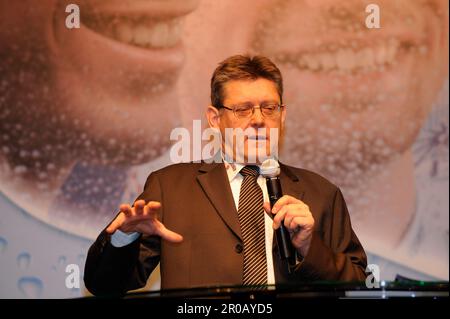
x=356, y=97
x=79, y=106
x=100, y=85
x=359, y=97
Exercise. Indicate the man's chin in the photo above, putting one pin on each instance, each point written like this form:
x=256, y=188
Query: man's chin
x=256, y=157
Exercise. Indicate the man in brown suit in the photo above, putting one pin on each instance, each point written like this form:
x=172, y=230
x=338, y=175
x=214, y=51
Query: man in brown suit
x=190, y=216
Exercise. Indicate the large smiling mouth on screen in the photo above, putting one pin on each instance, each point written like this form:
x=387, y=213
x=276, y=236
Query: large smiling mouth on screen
x=141, y=31
x=352, y=57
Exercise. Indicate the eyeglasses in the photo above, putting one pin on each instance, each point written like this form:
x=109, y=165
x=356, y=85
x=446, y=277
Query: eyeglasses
x=246, y=110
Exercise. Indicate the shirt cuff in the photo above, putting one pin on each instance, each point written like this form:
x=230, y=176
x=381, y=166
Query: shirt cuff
x=120, y=239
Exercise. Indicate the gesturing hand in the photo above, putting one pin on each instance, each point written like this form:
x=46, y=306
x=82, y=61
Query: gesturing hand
x=142, y=218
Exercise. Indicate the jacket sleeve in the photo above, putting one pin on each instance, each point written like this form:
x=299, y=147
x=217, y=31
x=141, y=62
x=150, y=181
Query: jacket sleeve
x=113, y=271
x=335, y=253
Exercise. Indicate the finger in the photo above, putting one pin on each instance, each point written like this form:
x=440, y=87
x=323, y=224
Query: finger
x=294, y=210
x=277, y=220
x=293, y=222
x=287, y=213
x=287, y=221
x=139, y=207
x=293, y=225
x=146, y=210
x=151, y=209
x=169, y=235
x=126, y=209
x=285, y=200
x=152, y=205
x=116, y=223
x=267, y=209
x=300, y=222
x=297, y=210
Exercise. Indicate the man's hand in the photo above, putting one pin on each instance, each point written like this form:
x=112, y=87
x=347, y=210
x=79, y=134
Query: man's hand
x=297, y=219
x=142, y=218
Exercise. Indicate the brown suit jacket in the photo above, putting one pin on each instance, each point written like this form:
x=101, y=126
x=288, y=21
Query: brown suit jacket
x=197, y=202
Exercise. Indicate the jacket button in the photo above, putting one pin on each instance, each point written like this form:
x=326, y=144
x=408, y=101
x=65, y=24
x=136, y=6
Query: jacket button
x=238, y=248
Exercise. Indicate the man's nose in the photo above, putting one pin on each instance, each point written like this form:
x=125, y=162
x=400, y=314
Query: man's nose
x=257, y=117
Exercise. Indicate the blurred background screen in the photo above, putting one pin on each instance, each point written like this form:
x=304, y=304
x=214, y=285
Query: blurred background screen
x=86, y=114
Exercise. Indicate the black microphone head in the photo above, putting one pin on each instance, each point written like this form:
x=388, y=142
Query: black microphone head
x=270, y=168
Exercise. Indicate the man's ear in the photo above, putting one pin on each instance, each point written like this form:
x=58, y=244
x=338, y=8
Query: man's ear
x=283, y=117
x=213, y=116
x=282, y=130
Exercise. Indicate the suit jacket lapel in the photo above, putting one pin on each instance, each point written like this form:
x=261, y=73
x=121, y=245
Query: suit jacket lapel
x=214, y=182
x=290, y=183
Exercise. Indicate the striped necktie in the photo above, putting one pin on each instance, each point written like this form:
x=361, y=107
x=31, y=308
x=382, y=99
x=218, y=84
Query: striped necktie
x=251, y=220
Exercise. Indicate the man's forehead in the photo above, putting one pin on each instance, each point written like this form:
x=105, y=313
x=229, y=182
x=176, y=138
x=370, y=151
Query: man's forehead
x=249, y=90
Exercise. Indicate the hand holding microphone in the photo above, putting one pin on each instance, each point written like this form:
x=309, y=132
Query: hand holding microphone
x=293, y=221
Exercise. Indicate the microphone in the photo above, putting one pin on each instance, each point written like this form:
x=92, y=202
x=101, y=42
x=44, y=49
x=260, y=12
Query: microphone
x=270, y=169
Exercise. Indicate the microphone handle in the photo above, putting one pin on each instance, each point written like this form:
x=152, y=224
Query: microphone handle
x=283, y=238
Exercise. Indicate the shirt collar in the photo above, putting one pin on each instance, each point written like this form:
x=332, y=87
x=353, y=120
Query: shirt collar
x=232, y=168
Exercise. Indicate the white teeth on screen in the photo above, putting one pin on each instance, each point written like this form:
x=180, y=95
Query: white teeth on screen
x=147, y=34
x=156, y=35
x=350, y=58
x=124, y=33
x=162, y=34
